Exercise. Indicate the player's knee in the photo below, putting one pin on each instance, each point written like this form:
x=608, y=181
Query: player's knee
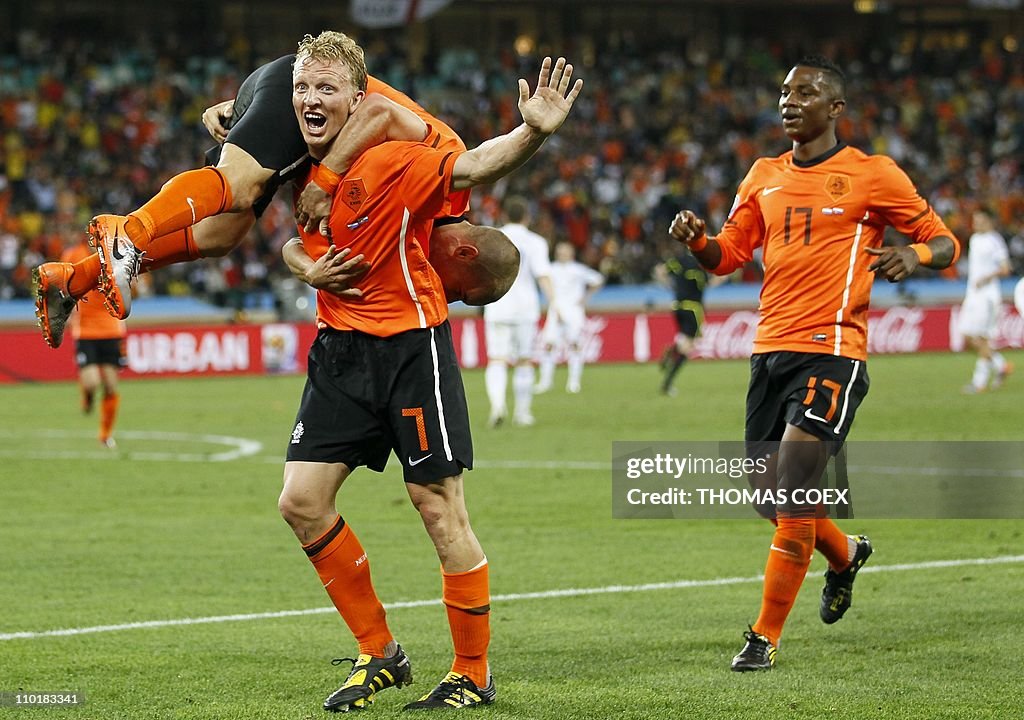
x=443, y=514
x=297, y=511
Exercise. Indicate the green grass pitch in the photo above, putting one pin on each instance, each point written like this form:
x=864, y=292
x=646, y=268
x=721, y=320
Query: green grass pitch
x=180, y=524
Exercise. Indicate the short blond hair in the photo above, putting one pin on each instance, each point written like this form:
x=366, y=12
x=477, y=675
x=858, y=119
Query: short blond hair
x=331, y=46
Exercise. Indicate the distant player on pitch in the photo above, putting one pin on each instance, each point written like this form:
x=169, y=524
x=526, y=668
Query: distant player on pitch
x=988, y=261
x=574, y=284
x=510, y=323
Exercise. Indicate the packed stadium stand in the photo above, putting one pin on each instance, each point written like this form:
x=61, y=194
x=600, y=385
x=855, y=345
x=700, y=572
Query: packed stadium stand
x=666, y=122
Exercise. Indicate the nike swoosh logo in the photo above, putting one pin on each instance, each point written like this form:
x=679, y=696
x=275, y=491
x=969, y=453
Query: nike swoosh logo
x=115, y=246
x=330, y=581
x=787, y=552
x=414, y=463
x=769, y=191
x=192, y=206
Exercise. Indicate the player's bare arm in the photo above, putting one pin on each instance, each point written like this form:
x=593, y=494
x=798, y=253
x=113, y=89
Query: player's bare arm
x=689, y=229
x=377, y=119
x=543, y=113
x=216, y=116
x=334, y=272
x=899, y=263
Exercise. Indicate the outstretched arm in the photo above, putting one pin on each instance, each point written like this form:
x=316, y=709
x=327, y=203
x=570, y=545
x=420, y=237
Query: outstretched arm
x=543, y=113
x=376, y=120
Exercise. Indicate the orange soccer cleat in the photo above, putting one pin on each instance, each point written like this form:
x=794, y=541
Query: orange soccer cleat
x=119, y=262
x=53, y=299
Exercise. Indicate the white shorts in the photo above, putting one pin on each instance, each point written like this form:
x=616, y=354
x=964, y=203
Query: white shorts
x=979, y=313
x=510, y=341
x=566, y=327
x=1018, y=296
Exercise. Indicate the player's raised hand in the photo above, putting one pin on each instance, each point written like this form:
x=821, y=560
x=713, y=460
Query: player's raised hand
x=686, y=227
x=215, y=119
x=547, y=108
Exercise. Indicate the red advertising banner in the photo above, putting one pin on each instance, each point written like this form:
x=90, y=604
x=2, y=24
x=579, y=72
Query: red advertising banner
x=630, y=337
x=619, y=337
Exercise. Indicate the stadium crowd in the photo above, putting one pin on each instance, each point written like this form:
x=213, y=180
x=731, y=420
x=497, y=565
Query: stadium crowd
x=86, y=128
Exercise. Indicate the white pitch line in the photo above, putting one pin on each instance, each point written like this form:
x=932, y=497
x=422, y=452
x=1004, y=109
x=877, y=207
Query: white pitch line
x=238, y=447
x=509, y=597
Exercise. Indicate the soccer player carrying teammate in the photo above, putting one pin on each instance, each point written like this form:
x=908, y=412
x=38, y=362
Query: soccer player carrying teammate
x=208, y=212
x=382, y=372
x=818, y=212
x=99, y=352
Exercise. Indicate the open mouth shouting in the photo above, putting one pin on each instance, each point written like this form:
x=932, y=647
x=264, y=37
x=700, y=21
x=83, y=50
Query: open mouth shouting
x=315, y=122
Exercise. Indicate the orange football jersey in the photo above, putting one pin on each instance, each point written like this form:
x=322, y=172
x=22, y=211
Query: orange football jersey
x=90, y=320
x=385, y=208
x=813, y=221
x=439, y=136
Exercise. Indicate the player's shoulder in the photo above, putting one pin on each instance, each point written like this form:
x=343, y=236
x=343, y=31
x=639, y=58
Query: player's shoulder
x=858, y=160
x=766, y=168
x=392, y=156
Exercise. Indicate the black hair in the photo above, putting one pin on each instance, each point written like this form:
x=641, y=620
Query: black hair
x=833, y=74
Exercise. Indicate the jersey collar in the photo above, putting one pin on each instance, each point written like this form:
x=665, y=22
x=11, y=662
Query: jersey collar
x=821, y=158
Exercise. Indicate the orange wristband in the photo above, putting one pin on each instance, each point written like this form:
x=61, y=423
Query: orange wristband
x=327, y=179
x=698, y=244
x=924, y=253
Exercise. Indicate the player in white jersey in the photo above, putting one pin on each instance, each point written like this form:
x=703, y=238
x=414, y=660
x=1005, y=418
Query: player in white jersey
x=987, y=261
x=573, y=283
x=510, y=323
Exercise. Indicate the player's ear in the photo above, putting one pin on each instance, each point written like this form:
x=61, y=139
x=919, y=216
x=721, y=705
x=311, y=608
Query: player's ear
x=838, y=106
x=356, y=99
x=466, y=252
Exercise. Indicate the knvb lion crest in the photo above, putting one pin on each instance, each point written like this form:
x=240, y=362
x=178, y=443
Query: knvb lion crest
x=838, y=186
x=353, y=193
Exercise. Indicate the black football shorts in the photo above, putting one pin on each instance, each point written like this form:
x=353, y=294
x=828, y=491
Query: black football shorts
x=265, y=126
x=817, y=393
x=108, y=351
x=366, y=396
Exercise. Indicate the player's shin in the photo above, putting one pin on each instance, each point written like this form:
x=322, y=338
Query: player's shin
x=466, y=596
x=341, y=563
x=788, y=560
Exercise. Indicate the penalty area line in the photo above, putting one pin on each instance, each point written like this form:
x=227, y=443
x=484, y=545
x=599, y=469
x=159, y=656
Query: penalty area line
x=508, y=597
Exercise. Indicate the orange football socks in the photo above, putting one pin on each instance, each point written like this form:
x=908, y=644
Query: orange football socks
x=183, y=201
x=788, y=560
x=86, y=276
x=834, y=544
x=467, y=599
x=341, y=563
x=176, y=247
x=108, y=414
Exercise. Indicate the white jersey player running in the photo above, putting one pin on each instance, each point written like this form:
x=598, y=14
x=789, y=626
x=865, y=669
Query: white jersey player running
x=510, y=323
x=573, y=283
x=988, y=260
